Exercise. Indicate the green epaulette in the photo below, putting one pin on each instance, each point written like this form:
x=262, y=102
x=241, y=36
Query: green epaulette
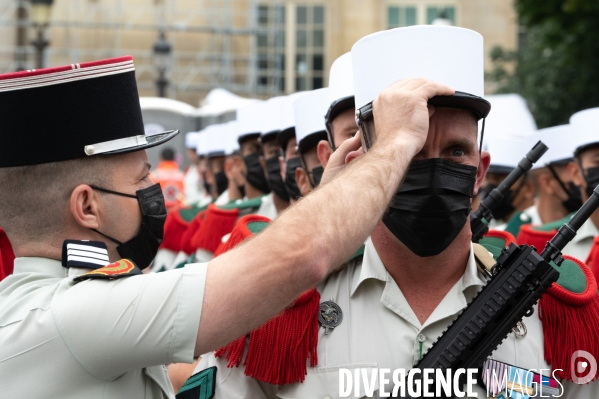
x=244, y=206
x=189, y=213
x=572, y=276
x=516, y=222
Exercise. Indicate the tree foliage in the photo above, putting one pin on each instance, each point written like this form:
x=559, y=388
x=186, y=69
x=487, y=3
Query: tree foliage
x=557, y=68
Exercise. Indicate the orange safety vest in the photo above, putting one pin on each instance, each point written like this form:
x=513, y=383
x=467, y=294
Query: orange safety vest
x=171, y=178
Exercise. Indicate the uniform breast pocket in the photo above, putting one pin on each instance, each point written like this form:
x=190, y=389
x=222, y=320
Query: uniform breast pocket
x=332, y=383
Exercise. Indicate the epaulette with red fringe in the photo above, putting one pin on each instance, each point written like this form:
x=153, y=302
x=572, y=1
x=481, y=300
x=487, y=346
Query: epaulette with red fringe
x=188, y=245
x=217, y=223
x=174, y=228
x=593, y=259
x=571, y=304
x=538, y=235
x=279, y=350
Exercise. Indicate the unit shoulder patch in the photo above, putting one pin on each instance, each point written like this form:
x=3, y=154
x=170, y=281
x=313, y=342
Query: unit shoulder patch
x=119, y=269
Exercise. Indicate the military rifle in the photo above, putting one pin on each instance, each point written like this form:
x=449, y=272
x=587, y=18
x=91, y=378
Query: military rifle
x=479, y=219
x=518, y=279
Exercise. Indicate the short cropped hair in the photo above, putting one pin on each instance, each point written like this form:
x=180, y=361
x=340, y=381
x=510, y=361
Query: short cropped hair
x=168, y=154
x=34, y=200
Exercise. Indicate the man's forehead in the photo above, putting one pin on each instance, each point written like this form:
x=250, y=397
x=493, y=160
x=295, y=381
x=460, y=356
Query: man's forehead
x=456, y=123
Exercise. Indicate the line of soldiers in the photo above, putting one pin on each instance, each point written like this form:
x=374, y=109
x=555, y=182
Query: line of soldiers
x=320, y=249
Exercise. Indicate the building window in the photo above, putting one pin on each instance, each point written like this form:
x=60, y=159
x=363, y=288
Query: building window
x=400, y=16
x=433, y=13
x=310, y=47
x=270, y=45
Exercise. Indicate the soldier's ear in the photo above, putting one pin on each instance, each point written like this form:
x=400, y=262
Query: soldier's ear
x=576, y=173
x=84, y=205
x=324, y=152
x=481, y=173
x=303, y=183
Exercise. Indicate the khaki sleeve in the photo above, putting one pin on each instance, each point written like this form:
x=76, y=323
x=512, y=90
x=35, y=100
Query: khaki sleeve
x=112, y=327
x=232, y=383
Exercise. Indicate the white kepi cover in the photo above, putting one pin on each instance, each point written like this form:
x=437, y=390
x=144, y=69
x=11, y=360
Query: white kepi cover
x=216, y=140
x=191, y=139
x=510, y=116
x=288, y=115
x=310, y=110
x=341, y=78
x=506, y=152
x=444, y=54
x=251, y=119
x=273, y=115
x=584, y=128
x=559, y=141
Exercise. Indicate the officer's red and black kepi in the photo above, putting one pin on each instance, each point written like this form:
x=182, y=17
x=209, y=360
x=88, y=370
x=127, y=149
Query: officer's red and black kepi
x=74, y=111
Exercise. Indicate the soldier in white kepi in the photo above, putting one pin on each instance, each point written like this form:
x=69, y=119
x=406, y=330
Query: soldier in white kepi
x=288, y=143
x=271, y=148
x=310, y=129
x=419, y=268
x=84, y=219
x=585, y=174
x=518, y=205
x=193, y=184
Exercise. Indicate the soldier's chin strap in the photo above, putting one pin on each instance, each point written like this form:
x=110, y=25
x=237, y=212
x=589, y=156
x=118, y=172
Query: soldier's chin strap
x=480, y=146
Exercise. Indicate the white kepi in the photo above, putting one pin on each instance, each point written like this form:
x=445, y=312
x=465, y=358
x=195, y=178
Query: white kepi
x=271, y=124
x=251, y=120
x=584, y=129
x=288, y=119
x=341, y=93
x=444, y=54
x=506, y=152
x=510, y=117
x=558, y=140
x=309, y=112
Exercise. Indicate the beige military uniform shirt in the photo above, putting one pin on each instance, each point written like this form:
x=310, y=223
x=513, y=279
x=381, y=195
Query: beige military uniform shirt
x=379, y=330
x=223, y=199
x=581, y=244
x=97, y=338
x=267, y=207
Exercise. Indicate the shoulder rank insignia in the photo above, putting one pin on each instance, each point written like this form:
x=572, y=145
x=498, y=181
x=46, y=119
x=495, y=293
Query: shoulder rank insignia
x=119, y=269
x=329, y=315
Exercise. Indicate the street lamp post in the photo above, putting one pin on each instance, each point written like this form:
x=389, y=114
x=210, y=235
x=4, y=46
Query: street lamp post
x=40, y=17
x=162, y=60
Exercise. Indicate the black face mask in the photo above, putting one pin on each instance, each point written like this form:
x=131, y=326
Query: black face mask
x=316, y=174
x=142, y=248
x=574, y=201
x=504, y=207
x=207, y=186
x=591, y=176
x=222, y=183
x=275, y=180
x=255, y=173
x=432, y=205
x=290, y=183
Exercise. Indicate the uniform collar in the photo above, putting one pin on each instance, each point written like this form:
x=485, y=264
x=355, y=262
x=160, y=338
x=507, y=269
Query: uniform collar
x=48, y=266
x=455, y=300
x=373, y=268
x=587, y=230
